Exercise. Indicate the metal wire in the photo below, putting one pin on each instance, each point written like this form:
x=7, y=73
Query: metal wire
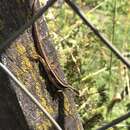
x=97, y=33
x=114, y=122
x=110, y=46
x=23, y=88
x=12, y=37
x=49, y=3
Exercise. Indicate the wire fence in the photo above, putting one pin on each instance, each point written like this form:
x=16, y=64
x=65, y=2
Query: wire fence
x=23, y=88
x=104, y=40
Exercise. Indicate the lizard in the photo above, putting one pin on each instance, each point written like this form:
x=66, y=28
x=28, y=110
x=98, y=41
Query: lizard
x=61, y=84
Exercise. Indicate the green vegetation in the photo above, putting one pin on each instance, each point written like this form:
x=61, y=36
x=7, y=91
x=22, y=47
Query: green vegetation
x=89, y=65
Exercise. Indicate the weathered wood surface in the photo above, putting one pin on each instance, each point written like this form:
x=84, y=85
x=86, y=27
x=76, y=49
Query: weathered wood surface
x=11, y=115
x=13, y=14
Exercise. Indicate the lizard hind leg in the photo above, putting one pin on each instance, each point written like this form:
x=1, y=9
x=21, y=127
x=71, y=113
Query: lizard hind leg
x=33, y=56
x=37, y=58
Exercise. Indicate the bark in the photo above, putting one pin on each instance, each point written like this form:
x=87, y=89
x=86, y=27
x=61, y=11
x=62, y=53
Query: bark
x=13, y=14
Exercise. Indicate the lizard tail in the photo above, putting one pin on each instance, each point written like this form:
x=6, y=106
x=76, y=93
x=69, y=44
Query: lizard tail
x=74, y=90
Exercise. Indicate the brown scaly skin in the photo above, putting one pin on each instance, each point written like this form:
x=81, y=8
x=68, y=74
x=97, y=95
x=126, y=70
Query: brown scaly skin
x=48, y=66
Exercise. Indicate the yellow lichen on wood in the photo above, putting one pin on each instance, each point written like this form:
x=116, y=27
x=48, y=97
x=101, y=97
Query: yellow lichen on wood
x=45, y=125
x=67, y=106
x=20, y=48
x=25, y=67
x=39, y=93
x=26, y=64
x=42, y=99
